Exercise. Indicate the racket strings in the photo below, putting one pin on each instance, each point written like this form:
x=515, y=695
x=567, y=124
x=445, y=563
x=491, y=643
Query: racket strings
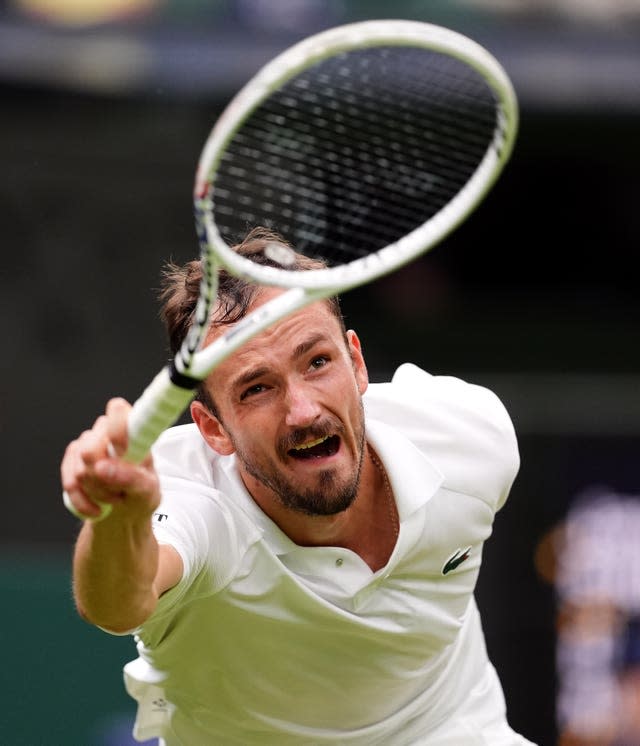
x=346, y=153
x=356, y=152
x=369, y=101
x=338, y=143
x=340, y=175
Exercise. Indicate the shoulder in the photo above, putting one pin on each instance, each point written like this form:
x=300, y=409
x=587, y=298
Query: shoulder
x=417, y=399
x=198, y=514
x=180, y=451
x=463, y=428
x=192, y=476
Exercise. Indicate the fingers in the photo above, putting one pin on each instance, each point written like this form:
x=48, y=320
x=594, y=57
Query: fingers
x=105, y=509
x=93, y=476
x=119, y=479
x=77, y=465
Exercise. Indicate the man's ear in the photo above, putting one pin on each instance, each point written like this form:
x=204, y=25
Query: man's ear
x=357, y=358
x=211, y=429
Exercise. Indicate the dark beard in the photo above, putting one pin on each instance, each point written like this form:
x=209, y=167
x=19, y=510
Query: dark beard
x=326, y=499
x=329, y=497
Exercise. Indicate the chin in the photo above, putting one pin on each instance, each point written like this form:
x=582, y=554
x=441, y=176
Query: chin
x=317, y=504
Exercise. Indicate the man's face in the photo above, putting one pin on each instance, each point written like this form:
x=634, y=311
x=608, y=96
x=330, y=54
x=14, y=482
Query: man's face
x=290, y=407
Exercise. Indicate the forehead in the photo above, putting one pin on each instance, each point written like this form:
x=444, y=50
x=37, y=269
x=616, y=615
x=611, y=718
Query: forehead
x=321, y=311
x=314, y=322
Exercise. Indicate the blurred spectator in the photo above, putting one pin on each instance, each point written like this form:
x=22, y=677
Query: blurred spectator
x=596, y=573
x=86, y=12
x=288, y=15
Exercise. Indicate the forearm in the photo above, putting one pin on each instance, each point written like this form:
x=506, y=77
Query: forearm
x=117, y=578
x=114, y=569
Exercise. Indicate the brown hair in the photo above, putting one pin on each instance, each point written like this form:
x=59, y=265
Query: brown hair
x=180, y=288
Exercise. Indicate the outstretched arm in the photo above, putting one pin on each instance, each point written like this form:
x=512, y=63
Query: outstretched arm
x=119, y=570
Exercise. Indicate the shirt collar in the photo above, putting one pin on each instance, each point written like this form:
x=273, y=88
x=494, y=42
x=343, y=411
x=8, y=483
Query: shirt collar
x=413, y=478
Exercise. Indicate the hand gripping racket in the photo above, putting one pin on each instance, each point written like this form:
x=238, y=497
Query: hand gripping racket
x=363, y=146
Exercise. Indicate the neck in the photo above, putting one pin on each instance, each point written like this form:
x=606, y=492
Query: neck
x=369, y=527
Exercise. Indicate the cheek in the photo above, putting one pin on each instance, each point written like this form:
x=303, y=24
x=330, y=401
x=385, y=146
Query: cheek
x=252, y=438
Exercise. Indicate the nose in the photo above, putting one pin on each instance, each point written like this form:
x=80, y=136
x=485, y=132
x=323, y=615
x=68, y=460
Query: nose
x=302, y=407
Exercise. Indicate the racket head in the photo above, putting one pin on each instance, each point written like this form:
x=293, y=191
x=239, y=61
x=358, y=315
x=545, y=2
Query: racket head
x=277, y=154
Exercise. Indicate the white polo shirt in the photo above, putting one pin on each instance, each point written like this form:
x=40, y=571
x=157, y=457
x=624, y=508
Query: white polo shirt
x=267, y=642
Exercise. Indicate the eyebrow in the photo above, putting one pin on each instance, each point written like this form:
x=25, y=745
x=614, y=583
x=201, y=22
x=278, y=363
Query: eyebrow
x=299, y=351
x=309, y=344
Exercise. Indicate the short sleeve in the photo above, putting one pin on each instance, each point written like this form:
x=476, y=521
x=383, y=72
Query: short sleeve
x=462, y=428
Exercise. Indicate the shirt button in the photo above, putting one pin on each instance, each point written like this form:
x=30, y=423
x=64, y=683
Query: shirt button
x=339, y=562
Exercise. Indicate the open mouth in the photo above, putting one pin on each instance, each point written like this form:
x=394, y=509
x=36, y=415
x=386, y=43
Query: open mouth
x=318, y=448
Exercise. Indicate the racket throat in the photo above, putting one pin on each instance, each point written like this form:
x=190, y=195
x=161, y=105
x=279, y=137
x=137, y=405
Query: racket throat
x=180, y=379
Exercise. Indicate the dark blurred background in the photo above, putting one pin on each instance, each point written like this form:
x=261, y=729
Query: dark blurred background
x=105, y=106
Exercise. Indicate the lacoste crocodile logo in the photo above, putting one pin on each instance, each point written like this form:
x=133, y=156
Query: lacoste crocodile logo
x=457, y=558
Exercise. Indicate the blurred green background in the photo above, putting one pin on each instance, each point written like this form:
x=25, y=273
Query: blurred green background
x=61, y=678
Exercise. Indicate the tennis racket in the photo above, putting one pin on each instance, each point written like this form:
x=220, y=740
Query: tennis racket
x=363, y=146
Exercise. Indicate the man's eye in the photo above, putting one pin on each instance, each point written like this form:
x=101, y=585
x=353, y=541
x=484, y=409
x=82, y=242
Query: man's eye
x=320, y=361
x=252, y=391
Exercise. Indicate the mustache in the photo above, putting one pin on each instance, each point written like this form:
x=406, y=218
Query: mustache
x=322, y=429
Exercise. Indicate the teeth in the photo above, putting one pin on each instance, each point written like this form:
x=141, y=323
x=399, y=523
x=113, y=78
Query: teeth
x=312, y=443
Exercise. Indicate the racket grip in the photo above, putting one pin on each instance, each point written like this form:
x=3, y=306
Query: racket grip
x=159, y=406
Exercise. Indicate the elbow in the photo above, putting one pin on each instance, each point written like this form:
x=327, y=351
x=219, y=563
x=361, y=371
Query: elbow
x=115, y=624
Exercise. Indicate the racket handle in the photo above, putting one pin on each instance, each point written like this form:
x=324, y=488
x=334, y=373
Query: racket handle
x=159, y=406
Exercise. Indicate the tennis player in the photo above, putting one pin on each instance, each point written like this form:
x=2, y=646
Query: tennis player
x=298, y=565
